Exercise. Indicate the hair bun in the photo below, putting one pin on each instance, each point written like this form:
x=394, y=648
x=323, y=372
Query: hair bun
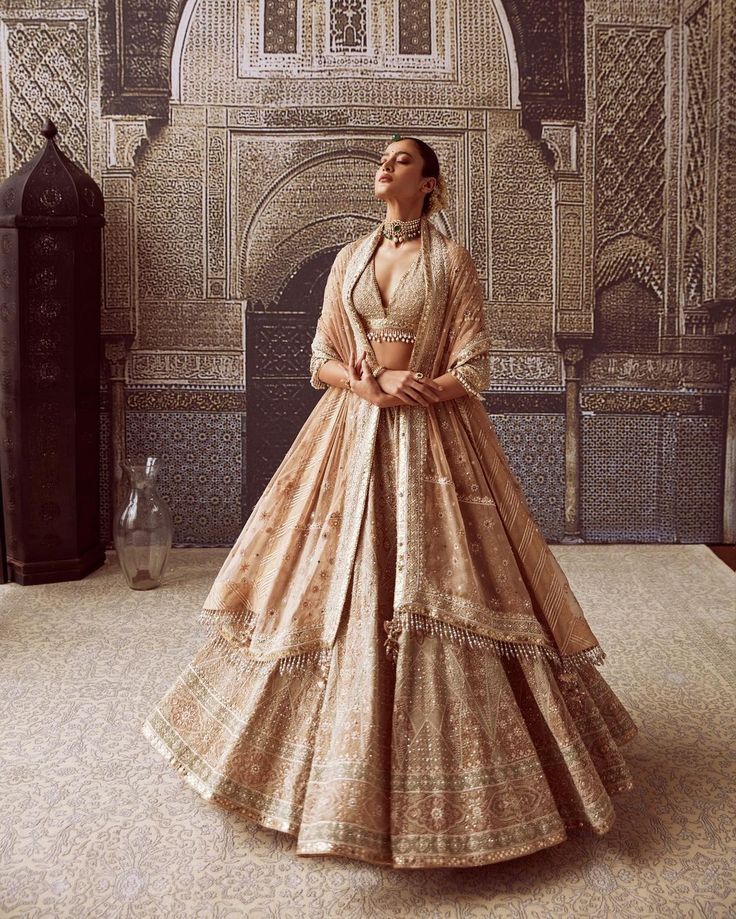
x=437, y=197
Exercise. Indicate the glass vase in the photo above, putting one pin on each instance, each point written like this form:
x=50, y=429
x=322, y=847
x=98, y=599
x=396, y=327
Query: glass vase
x=144, y=528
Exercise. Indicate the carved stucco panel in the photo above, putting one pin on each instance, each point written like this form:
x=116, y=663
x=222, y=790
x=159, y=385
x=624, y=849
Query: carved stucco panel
x=478, y=75
x=48, y=54
x=169, y=214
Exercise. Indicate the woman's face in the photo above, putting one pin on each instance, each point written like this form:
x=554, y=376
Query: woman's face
x=399, y=174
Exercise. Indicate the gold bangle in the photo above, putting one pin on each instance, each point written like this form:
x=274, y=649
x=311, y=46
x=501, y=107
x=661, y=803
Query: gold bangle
x=378, y=371
x=348, y=384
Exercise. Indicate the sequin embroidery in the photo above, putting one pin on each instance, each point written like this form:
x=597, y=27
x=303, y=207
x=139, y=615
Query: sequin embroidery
x=400, y=319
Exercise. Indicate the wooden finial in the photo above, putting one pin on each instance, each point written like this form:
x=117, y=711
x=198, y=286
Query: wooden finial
x=49, y=129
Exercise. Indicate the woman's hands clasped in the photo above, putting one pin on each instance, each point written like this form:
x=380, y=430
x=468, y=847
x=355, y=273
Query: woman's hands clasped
x=402, y=385
x=362, y=381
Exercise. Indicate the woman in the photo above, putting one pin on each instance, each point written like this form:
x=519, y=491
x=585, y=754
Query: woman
x=397, y=669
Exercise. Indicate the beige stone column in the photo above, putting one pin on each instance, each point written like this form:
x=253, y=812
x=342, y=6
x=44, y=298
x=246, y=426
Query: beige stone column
x=572, y=355
x=116, y=349
x=729, y=473
x=719, y=261
x=125, y=138
x=574, y=296
x=723, y=313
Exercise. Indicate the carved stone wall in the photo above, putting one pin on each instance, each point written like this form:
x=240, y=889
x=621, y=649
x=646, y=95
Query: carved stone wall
x=236, y=150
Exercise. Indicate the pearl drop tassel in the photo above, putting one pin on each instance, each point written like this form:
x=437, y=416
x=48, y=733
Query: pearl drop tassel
x=391, y=336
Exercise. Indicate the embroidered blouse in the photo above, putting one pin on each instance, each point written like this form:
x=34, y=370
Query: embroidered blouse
x=399, y=321
x=469, y=360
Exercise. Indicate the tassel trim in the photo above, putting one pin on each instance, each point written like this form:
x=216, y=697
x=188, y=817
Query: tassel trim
x=237, y=624
x=390, y=335
x=464, y=378
x=233, y=646
x=234, y=649
x=430, y=625
x=245, y=664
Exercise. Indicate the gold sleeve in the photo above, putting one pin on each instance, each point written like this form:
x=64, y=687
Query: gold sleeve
x=325, y=342
x=469, y=359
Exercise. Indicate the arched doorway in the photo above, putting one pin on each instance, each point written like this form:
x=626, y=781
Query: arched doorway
x=278, y=394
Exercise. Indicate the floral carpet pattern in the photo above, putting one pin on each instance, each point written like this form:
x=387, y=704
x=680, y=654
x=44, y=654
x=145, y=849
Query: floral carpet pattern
x=94, y=823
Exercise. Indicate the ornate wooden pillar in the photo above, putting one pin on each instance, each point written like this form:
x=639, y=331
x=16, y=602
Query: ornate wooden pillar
x=126, y=138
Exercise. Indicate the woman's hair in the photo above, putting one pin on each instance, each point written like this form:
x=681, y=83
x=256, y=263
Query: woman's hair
x=436, y=200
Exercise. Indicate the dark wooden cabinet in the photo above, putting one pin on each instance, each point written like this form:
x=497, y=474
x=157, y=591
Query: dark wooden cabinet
x=51, y=220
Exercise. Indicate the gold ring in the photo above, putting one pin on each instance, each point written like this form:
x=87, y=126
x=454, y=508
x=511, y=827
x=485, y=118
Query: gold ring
x=418, y=375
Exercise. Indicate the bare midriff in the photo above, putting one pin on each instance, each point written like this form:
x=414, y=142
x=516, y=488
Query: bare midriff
x=393, y=355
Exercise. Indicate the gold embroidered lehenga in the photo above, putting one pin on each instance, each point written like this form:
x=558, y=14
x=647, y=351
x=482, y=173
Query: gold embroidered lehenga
x=397, y=670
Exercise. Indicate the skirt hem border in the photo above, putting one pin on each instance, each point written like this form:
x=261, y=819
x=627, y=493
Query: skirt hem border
x=336, y=849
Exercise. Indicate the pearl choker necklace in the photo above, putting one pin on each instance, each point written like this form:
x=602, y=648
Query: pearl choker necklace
x=400, y=230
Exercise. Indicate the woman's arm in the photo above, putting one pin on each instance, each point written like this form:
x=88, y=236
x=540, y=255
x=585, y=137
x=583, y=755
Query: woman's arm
x=329, y=344
x=469, y=360
x=333, y=373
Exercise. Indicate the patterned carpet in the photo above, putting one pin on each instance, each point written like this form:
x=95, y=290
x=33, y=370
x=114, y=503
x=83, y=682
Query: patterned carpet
x=95, y=824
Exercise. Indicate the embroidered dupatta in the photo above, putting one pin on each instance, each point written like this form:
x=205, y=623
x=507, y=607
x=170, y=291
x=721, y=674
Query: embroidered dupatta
x=472, y=567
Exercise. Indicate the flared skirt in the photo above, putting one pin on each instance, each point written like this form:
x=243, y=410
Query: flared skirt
x=448, y=756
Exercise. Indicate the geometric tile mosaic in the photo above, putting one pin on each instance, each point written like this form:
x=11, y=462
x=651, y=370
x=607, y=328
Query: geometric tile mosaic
x=535, y=446
x=698, y=475
x=651, y=478
x=619, y=479
x=201, y=472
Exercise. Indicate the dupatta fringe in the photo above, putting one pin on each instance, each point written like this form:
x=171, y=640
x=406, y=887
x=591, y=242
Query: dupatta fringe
x=238, y=625
x=411, y=621
x=234, y=647
x=232, y=643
